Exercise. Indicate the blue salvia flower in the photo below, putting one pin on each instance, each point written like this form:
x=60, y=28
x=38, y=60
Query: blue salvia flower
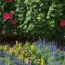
x=53, y=43
x=15, y=61
x=54, y=50
x=8, y=55
x=56, y=44
x=40, y=41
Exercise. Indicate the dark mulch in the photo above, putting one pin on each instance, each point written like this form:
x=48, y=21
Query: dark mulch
x=11, y=40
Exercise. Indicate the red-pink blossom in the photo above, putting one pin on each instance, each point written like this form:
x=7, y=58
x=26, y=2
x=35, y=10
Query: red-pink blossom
x=6, y=16
x=14, y=21
x=10, y=1
x=62, y=23
x=10, y=14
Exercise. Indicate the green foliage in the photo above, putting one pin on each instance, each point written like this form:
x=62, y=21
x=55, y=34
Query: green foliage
x=35, y=18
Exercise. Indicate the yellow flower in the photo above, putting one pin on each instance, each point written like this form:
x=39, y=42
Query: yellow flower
x=5, y=48
x=20, y=48
x=32, y=47
x=22, y=58
x=42, y=63
x=28, y=61
x=11, y=50
x=16, y=42
x=26, y=54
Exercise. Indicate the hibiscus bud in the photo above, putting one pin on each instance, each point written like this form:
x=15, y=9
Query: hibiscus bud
x=14, y=21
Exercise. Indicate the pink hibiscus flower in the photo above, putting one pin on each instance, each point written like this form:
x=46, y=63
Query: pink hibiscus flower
x=10, y=14
x=6, y=16
x=14, y=21
x=62, y=23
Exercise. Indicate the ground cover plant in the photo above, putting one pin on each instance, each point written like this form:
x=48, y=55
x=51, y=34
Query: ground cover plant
x=38, y=53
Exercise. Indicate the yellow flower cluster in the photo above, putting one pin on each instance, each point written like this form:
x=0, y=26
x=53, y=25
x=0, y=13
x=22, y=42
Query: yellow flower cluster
x=22, y=58
x=26, y=54
x=5, y=47
x=20, y=48
x=11, y=50
x=42, y=63
x=32, y=47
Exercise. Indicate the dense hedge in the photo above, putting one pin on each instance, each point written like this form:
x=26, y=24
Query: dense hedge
x=34, y=18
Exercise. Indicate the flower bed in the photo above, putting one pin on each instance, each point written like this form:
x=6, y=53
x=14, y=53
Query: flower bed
x=38, y=53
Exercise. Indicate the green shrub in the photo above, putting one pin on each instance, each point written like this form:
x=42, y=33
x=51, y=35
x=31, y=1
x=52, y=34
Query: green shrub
x=35, y=18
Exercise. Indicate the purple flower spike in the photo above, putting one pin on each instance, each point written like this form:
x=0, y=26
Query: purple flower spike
x=40, y=41
x=53, y=43
x=54, y=49
x=56, y=44
x=40, y=46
